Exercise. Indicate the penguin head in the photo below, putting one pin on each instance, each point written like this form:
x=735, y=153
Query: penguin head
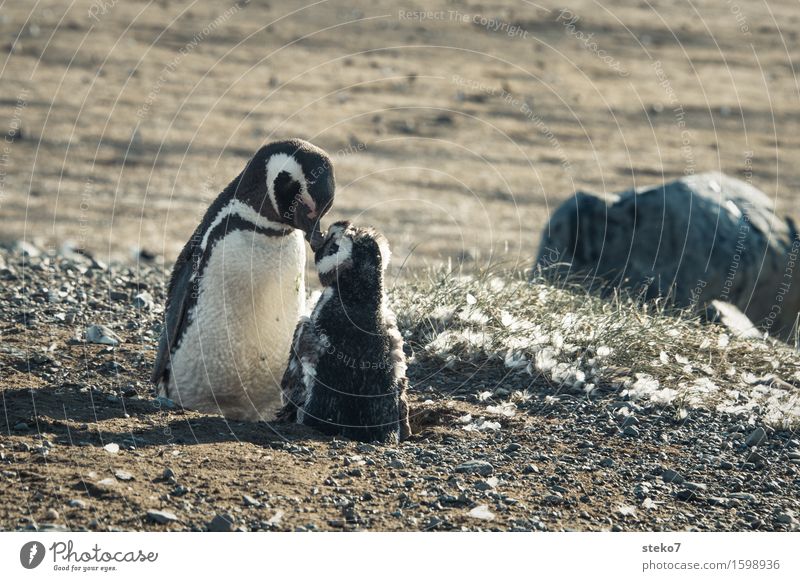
x=352, y=257
x=300, y=185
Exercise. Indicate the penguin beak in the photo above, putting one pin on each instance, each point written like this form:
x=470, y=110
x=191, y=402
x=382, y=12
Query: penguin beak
x=314, y=236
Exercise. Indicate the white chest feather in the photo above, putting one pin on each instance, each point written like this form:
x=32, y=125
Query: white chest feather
x=234, y=350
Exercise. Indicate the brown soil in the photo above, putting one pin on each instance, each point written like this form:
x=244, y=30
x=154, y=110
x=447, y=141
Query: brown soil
x=430, y=150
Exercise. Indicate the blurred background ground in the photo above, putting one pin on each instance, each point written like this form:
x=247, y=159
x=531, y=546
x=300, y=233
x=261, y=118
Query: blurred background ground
x=455, y=133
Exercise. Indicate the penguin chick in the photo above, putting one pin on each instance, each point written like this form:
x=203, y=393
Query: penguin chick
x=237, y=289
x=347, y=370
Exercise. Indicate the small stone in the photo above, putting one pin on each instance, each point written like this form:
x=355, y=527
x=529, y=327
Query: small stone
x=719, y=501
x=21, y=427
x=276, y=519
x=250, y=501
x=167, y=474
x=745, y=496
x=143, y=301
x=116, y=295
x=512, y=447
x=630, y=421
x=123, y=475
x=161, y=516
x=631, y=431
x=671, y=476
x=111, y=448
x=51, y=514
x=100, y=487
x=76, y=503
x=530, y=469
x=696, y=486
x=476, y=467
x=607, y=462
x=785, y=518
x=481, y=512
x=725, y=465
x=554, y=498
x=102, y=335
x=756, y=437
x=687, y=495
x=222, y=523
x=399, y=464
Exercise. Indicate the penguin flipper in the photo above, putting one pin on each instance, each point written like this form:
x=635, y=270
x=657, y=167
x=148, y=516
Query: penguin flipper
x=174, y=318
x=302, y=360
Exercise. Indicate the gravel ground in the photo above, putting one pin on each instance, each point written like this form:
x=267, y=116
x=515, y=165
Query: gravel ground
x=83, y=444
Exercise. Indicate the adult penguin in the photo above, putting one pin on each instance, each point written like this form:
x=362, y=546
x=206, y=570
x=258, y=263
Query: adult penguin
x=238, y=287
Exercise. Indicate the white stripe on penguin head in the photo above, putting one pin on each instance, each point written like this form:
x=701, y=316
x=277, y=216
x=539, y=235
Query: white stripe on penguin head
x=331, y=261
x=281, y=162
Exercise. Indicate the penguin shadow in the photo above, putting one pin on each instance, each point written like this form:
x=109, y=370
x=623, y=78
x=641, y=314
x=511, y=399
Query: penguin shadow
x=196, y=429
x=80, y=419
x=59, y=404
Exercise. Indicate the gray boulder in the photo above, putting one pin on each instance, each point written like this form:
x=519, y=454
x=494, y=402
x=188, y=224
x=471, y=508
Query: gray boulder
x=698, y=239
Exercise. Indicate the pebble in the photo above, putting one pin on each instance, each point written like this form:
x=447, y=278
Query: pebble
x=785, y=518
x=530, y=469
x=719, y=501
x=746, y=496
x=222, y=523
x=102, y=335
x=756, y=437
x=167, y=474
x=76, y=503
x=630, y=421
x=51, y=514
x=161, y=516
x=687, y=495
x=631, y=431
x=607, y=463
x=481, y=512
x=116, y=295
x=143, y=301
x=276, y=519
x=21, y=427
x=476, y=467
x=696, y=486
x=123, y=475
x=250, y=501
x=672, y=476
x=111, y=448
x=101, y=487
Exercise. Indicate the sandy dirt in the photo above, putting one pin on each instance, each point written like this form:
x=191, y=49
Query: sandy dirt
x=455, y=133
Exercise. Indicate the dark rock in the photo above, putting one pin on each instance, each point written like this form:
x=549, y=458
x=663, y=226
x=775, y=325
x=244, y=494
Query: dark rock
x=161, y=516
x=222, y=523
x=476, y=467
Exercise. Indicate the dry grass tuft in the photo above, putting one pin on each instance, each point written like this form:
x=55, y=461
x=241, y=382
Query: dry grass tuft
x=586, y=345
